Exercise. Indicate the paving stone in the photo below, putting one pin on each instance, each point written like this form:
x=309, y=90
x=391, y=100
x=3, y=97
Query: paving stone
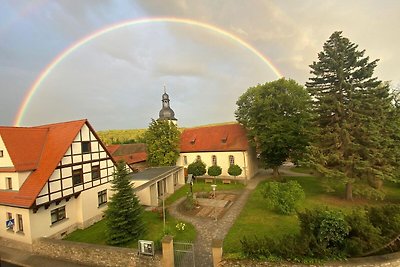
x=208, y=228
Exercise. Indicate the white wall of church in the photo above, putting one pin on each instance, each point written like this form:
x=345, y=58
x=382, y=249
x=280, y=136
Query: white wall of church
x=242, y=158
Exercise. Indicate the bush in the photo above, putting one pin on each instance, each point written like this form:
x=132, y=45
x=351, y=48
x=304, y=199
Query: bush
x=189, y=203
x=363, y=236
x=197, y=168
x=325, y=230
x=284, y=197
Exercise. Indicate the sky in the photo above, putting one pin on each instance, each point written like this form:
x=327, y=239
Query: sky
x=116, y=79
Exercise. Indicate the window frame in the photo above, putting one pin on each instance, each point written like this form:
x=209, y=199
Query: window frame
x=231, y=160
x=198, y=158
x=9, y=183
x=185, y=160
x=75, y=175
x=1, y=153
x=60, y=213
x=95, y=171
x=214, y=160
x=87, y=146
x=20, y=223
x=102, y=197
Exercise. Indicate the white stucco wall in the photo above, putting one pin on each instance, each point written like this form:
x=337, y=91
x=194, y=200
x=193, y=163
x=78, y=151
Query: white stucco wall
x=244, y=159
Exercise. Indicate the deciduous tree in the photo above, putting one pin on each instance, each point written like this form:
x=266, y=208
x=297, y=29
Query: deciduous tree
x=162, y=139
x=277, y=118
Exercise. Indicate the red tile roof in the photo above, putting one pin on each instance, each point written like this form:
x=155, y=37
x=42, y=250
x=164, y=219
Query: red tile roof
x=228, y=137
x=45, y=146
x=130, y=153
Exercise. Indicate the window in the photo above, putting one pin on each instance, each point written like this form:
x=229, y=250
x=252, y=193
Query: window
x=1, y=153
x=77, y=177
x=9, y=217
x=214, y=160
x=95, y=172
x=175, y=178
x=231, y=160
x=102, y=197
x=8, y=183
x=58, y=215
x=85, y=147
x=198, y=158
x=20, y=223
x=184, y=160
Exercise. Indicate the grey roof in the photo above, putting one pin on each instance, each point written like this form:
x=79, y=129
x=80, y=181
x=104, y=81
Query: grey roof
x=151, y=173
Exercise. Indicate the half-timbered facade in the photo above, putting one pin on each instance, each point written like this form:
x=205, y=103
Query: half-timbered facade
x=53, y=179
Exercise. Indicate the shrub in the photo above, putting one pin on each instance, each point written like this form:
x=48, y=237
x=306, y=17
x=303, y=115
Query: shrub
x=386, y=218
x=197, y=168
x=363, y=236
x=284, y=197
x=325, y=230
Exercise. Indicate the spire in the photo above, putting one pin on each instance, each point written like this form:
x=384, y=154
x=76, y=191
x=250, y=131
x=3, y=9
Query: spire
x=166, y=113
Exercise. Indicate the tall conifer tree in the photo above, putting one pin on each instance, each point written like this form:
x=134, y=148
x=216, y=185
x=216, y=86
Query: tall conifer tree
x=124, y=213
x=352, y=110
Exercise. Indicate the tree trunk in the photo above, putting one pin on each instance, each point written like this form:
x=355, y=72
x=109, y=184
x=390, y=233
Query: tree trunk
x=349, y=191
x=275, y=172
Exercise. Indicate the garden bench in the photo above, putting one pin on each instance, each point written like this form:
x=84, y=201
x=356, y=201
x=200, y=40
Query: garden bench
x=226, y=181
x=210, y=181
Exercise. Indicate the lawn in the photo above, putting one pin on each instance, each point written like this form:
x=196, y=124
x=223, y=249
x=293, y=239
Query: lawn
x=256, y=219
x=95, y=234
x=201, y=186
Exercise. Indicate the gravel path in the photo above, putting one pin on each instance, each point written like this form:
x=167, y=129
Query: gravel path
x=209, y=229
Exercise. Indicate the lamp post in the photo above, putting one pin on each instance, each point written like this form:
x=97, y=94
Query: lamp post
x=213, y=186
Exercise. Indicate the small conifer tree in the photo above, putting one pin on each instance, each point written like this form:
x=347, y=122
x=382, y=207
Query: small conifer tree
x=214, y=171
x=124, y=214
x=234, y=170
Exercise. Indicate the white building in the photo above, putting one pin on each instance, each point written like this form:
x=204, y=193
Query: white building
x=221, y=145
x=153, y=184
x=53, y=179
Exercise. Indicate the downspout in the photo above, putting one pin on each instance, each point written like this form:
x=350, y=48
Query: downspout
x=244, y=167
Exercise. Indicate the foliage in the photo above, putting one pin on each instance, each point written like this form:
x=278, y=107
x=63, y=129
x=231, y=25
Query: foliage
x=234, y=170
x=197, y=168
x=277, y=118
x=122, y=136
x=162, y=139
x=284, y=197
x=214, y=170
x=363, y=236
x=124, y=214
x=95, y=234
x=325, y=230
x=353, y=138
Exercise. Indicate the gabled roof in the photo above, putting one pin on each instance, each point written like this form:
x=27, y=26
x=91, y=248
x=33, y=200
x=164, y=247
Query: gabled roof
x=218, y=138
x=24, y=145
x=49, y=143
x=130, y=153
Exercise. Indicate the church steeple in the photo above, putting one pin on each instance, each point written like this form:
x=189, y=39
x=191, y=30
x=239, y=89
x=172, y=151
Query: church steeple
x=166, y=113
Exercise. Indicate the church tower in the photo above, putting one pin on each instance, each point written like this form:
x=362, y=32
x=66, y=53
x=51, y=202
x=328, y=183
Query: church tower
x=166, y=113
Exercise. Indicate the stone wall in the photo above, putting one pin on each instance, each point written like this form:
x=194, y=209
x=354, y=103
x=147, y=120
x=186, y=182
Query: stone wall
x=91, y=254
x=388, y=260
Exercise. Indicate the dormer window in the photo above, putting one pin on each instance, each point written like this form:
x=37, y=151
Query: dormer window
x=224, y=139
x=85, y=147
x=193, y=140
x=1, y=153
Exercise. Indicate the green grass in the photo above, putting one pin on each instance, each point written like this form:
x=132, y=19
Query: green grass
x=95, y=234
x=200, y=186
x=256, y=219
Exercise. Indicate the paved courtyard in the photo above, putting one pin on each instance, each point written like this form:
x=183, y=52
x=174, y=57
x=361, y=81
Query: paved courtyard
x=226, y=207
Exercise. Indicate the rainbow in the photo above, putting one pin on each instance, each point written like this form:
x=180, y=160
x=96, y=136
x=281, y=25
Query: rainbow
x=60, y=57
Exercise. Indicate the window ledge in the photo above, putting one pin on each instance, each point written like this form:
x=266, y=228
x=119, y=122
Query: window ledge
x=59, y=222
x=102, y=205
